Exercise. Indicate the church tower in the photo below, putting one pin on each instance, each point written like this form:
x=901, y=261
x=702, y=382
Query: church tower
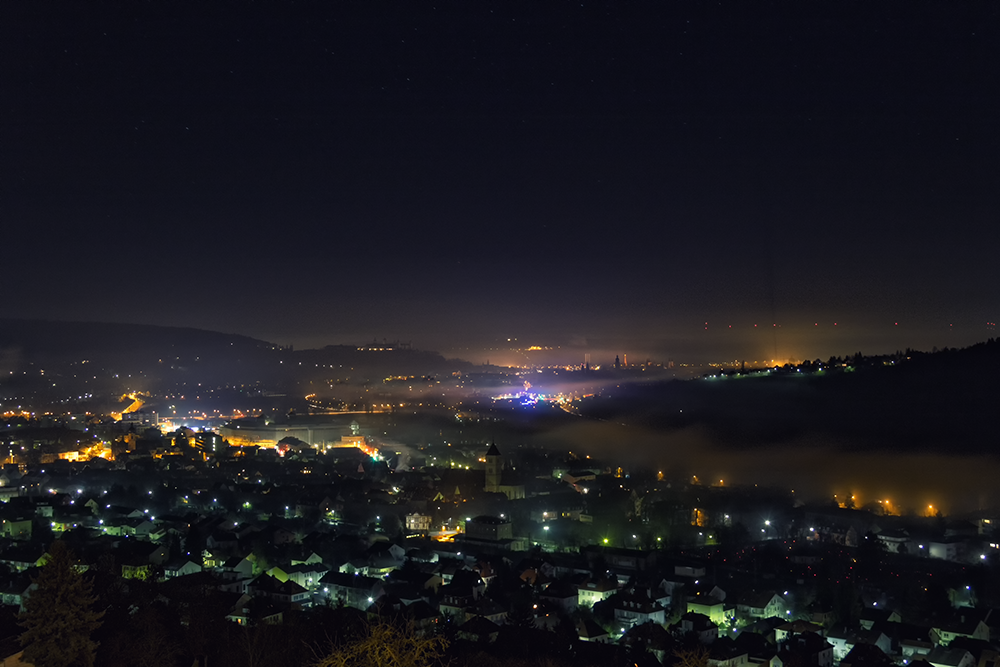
x=494, y=464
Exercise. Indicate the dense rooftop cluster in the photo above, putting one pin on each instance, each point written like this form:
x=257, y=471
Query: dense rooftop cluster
x=473, y=542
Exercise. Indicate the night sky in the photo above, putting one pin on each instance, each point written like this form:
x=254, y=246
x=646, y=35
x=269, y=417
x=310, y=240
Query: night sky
x=603, y=175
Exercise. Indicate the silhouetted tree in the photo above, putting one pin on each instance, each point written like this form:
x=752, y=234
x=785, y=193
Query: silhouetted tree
x=59, y=616
x=144, y=641
x=385, y=645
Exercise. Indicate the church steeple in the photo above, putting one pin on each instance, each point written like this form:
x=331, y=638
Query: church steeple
x=494, y=464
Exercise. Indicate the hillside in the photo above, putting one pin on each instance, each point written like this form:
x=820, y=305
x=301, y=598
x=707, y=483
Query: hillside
x=943, y=401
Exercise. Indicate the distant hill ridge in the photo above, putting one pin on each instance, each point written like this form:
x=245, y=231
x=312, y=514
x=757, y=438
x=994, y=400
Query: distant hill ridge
x=49, y=337
x=189, y=355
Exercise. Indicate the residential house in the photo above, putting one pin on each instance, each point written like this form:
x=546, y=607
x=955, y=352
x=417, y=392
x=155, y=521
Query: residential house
x=807, y=648
x=255, y=610
x=180, y=567
x=636, y=608
x=912, y=649
x=488, y=609
x=351, y=590
x=653, y=637
x=844, y=641
x=785, y=631
x=943, y=656
x=871, y=616
x=727, y=653
x=866, y=655
x=710, y=606
x=589, y=631
x=965, y=625
x=755, y=605
x=306, y=576
x=237, y=567
x=16, y=529
x=21, y=557
x=595, y=590
x=562, y=595
x=285, y=593
x=15, y=590
x=697, y=625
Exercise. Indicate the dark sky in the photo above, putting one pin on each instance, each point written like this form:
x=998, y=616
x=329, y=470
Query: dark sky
x=606, y=174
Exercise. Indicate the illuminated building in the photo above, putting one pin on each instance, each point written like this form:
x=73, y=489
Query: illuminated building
x=489, y=528
x=495, y=482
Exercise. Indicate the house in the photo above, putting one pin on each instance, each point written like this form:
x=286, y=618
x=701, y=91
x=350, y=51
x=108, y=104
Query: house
x=871, y=616
x=669, y=585
x=595, y=590
x=783, y=632
x=427, y=582
x=710, y=606
x=237, y=567
x=16, y=529
x=635, y=608
x=984, y=653
x=139, y=560
x=22, y=557
x=589, y=631
x=866, y=655
x=406, y=593
x=943, y=656
x=456, y=597
x=651, y=636
x=254, y=610
x=562, y=595
x=306, y=576
x=765, y=628
x=222, y=541
x=965, y=625
x=912, y=649
x=807, y=648
x=754, y=605
x=697, y=625
x=726, y=653
x=488, y=609
x=761, y=651
x=418, y=523
x=351, y=590
x=15, y=590
x=307, y=557
x=895, y=540
x=844, y=641
x=213, y=558
x=954, y=549
x=284, y=593
x=180, y=567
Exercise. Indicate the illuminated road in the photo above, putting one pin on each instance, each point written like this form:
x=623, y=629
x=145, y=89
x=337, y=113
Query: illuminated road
x=137, y=403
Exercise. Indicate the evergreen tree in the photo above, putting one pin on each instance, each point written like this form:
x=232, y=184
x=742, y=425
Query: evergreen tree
x=59, y=617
